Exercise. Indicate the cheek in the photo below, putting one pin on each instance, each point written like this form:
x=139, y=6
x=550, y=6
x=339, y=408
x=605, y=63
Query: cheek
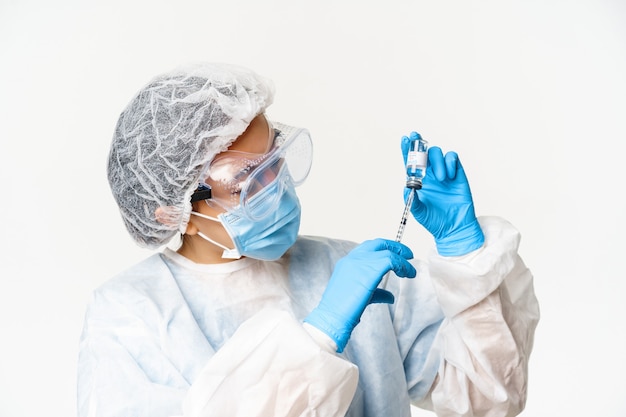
x=218, y=233
x=265, y=177
x=209, y=208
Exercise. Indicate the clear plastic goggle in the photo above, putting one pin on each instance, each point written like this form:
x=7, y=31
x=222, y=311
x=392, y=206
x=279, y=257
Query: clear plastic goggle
x=236, y=178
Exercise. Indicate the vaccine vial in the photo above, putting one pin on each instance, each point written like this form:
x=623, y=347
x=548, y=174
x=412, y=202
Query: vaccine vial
x=416, y=161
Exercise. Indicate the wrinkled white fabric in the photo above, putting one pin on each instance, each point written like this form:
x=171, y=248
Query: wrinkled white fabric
x=274, y=356
x=227, y=340
x=491, y=313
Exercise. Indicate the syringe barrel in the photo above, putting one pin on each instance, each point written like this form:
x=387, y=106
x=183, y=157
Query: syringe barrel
x=405, y=215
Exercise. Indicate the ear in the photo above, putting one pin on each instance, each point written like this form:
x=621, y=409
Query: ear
x=192, y=229
x=163, y=216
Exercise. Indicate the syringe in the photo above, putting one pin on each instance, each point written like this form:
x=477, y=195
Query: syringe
x=405, y=215
x=416, y=162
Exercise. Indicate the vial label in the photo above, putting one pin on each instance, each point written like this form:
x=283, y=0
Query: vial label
x=417, y=159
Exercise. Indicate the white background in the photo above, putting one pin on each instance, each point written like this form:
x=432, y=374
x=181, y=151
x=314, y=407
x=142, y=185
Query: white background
x=532, y=95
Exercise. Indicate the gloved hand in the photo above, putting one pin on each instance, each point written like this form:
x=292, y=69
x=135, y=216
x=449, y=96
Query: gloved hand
x=444, y=205
x=352, y=286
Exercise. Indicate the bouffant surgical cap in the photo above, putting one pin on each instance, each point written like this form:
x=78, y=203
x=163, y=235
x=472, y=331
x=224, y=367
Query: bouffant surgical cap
x=168, y=134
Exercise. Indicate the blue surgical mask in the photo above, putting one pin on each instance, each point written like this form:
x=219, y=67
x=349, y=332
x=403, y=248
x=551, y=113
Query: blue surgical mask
x=266, y=239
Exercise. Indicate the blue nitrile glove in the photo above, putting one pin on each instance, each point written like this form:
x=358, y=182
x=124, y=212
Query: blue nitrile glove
x=444, y=205
x=352, y=286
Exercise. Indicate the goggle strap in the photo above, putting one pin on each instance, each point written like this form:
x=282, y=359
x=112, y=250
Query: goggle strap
x=203, y=194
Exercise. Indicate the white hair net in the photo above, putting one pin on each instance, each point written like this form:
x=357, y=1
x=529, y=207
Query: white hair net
x=167, y=135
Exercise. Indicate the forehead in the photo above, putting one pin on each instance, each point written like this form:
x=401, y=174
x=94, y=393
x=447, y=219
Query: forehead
x=256, y=138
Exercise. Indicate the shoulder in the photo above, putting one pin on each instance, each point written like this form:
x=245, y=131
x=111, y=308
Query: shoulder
x=317, y=255
x=134, y=285
x=320, y=247
x=312, y=260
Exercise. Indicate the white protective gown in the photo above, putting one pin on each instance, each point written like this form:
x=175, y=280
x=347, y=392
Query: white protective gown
x=172, y=338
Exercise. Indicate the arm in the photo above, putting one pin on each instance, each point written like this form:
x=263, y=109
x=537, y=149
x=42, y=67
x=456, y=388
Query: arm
x=486, y=294
x=140, y=356
x=486, y=338
x=273, y=366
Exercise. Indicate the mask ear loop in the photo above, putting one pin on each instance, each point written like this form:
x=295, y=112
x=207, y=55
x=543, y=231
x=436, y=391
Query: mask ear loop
x=208, y=239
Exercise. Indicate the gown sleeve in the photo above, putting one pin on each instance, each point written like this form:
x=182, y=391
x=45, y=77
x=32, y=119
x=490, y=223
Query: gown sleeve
x=142, y=365
x=276, y=367
x=486, y=337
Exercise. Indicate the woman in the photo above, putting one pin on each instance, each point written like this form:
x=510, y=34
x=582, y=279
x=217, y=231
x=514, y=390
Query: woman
x=246, y=318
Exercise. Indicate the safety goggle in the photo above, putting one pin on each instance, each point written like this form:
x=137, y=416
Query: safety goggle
x=236, y=178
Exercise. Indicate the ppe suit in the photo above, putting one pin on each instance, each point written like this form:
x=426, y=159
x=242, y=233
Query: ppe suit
x=169, y=338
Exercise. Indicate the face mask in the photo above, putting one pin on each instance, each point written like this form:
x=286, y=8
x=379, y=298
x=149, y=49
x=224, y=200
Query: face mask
x=266, y=239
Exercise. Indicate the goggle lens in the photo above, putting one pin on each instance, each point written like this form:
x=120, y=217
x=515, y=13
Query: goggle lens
x=235, y=178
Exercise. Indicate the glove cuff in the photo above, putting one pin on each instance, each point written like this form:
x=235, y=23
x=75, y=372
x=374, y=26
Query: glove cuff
x=323, y=322
x=462, y=241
